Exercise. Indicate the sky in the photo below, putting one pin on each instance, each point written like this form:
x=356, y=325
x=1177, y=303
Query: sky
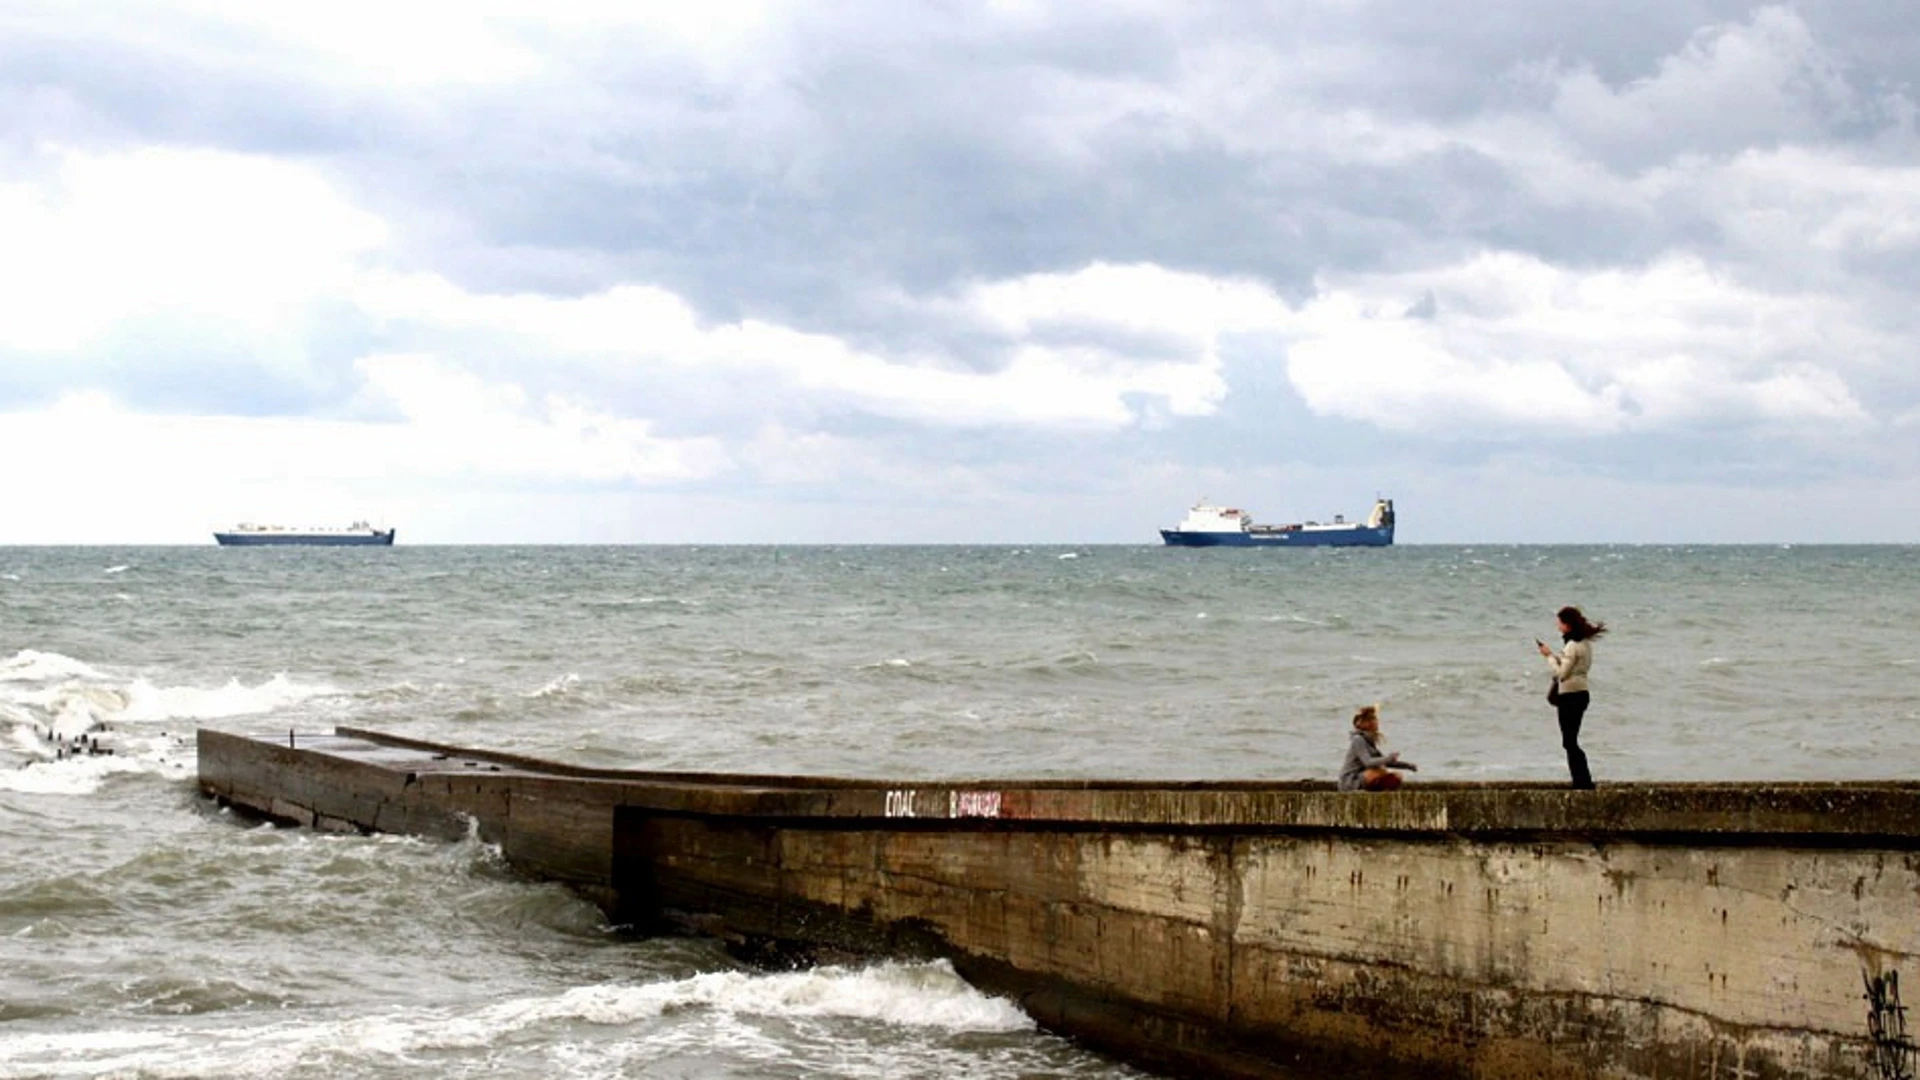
x=959, y=271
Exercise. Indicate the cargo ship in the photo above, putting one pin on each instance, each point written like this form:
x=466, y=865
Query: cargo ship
x=1217, y=526
x=358, y=534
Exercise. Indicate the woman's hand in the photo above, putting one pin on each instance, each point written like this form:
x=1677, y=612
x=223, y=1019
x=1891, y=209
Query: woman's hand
x=1544, y=651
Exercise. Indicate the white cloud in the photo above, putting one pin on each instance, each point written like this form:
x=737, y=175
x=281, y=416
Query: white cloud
x=1746, y=127
x=428, y=44
x=343, y=43
x=170, y=476
x=233, y=240
x=456, y=424
x=1138, y=297
x=1400, y=374
x=1080, y=382
x=862, y=471
x=1732, y=85
x=409, y=44
x=779, y=455
x=221, y=237
x=218, y=244
x=452, y=426
x=1518, y=345
x=627, y=320
x=1797, y=202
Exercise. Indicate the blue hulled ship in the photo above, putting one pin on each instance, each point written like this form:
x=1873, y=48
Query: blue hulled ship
x=1216, y=526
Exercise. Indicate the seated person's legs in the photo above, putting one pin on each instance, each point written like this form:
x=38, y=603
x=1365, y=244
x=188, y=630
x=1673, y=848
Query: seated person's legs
x=1380, y=780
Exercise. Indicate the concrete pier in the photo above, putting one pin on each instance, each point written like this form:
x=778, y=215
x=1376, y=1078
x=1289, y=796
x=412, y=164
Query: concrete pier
x=1235, y=929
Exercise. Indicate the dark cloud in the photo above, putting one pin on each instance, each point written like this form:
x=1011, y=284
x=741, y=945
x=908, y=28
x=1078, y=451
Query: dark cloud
x=915, y=150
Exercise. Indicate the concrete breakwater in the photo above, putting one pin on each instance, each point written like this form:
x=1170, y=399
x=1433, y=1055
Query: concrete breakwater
x=1228, y=928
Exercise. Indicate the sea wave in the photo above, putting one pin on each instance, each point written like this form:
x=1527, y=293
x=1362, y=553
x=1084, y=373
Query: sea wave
x=916, y=995
x=83, y=773
x=32, y=665
x=71, y=726
x=925, y=996
x=147, y=702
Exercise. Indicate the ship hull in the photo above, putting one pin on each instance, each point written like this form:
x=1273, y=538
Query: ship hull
x=293, y=539
x=1358, y=536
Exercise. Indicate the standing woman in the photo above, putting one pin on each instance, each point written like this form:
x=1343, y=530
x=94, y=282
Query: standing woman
x=1570, y=667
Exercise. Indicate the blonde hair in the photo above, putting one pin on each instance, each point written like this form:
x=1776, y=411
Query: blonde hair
x=1367, y=712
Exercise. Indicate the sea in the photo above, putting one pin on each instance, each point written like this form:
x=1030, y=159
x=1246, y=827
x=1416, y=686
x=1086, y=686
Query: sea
x=146, y=933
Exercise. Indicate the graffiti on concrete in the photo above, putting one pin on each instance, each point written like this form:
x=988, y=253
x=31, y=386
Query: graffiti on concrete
x=974, y=804
x=1893, y=1051
x=958, y=804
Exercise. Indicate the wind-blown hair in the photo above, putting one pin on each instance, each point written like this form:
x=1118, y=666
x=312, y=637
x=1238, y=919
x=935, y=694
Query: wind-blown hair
x=1578, y=628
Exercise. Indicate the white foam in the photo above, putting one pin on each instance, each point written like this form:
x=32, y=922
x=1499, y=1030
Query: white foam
x=920, y=995
x=558, y=687
x=911, y=995
x=49, y=702
x=80, y=775
x=915, y=995
x=74, y=707
x=31, y=665
x=147, y=702
x=26, y=734
x=71, y=710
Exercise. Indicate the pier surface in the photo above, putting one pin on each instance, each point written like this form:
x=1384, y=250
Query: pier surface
x=1227, y=928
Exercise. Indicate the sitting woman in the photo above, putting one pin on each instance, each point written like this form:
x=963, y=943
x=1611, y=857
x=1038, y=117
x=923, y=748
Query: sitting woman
x=1366, y=768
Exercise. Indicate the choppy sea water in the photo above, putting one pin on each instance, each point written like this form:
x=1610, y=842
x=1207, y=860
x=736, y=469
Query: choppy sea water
x=145, y=934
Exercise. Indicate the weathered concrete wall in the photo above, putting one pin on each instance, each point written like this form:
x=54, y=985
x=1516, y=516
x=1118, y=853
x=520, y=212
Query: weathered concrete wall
x=1234, y=929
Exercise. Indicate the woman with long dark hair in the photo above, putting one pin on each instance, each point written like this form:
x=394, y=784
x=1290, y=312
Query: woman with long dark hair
x=1570, y=669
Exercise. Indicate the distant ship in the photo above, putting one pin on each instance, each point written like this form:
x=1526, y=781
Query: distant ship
x=1215, y=526
x=358, y=534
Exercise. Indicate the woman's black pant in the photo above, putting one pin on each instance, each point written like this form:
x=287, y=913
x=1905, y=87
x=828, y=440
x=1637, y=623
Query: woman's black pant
x=1573, y=708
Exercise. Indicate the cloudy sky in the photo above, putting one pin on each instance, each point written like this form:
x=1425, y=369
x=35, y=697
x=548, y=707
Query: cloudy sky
x=994, y=271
